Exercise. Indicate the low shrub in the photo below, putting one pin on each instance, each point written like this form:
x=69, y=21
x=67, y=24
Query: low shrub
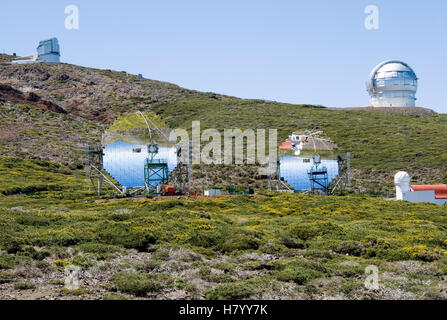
x=423, y=253
x=35, y=254
x=392, y=254
x=83, y=261
x=162, y=254
x=219, y=278
x=230, y=291
x=101, y=249
x=57, y=282
x=272, y=247
x=308, y=231
x=24, y=286
x=318, y=254
x=118, y=233
x=11, y=244
x=206, y=274
x=348, y=271
x=61, y=264
x=293, y=243
x=149, y=266
x=34, y=220
x=6, y=277
x=136, y=283
x=351, y=248
x=349, y=286
x=225, y=266
x=280, y=265
x=74, y=292
x=298, y=275
x=7, y=261
x=240, y=242
x=205, y=238
x=114, y=296
x=43, y=265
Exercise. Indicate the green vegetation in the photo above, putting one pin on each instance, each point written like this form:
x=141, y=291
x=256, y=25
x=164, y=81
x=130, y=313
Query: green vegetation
x=74, y=292
x=5, y=277
x=24, y=286
x=136, y=283
x=381, y=143
x=19, y=176
x=130, y=121
x=7, y=261
x=308, y=239
x=114, y=296
x=266, y=246
x=57, y=282
x=231, y=291
x=132, y=128
x=28, y=132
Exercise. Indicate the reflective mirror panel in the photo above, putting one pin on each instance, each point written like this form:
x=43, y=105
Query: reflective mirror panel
x=294, y=171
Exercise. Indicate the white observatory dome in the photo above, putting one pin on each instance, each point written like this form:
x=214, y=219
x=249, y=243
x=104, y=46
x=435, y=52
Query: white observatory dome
x=402, y=177
x=392, y=84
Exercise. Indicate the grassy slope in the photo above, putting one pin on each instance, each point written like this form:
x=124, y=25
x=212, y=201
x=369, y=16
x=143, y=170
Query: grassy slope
x=34, y=133
x=18, y=176
x=381, y=143
x=274, y=247
x=98, y=95
x=278, y=246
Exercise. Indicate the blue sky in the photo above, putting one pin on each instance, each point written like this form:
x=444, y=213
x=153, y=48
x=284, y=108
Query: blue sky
x=315, y=52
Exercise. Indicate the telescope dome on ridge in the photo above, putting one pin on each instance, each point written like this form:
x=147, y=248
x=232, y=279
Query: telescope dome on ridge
x=392, y=84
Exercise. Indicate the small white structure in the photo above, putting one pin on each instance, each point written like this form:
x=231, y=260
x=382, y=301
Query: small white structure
x=47, y=51
x=297, y=148
x=298, y=139
x=26, y=60
x=212, y=192
x=419, y=193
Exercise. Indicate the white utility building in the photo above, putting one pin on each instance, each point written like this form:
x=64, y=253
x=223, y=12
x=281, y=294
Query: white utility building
x=212, y=192
x=436, y=193
x=392, y=84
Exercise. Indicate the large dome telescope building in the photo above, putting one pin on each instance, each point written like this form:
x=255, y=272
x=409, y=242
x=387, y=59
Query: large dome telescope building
x=392, y=84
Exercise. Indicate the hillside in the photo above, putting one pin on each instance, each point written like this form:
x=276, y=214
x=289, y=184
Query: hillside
x=97, y=95
x=32, y=132
x=264, y=246
x=381, y=143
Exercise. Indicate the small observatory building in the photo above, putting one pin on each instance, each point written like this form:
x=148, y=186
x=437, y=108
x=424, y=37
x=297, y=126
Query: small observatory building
x=392, y=84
